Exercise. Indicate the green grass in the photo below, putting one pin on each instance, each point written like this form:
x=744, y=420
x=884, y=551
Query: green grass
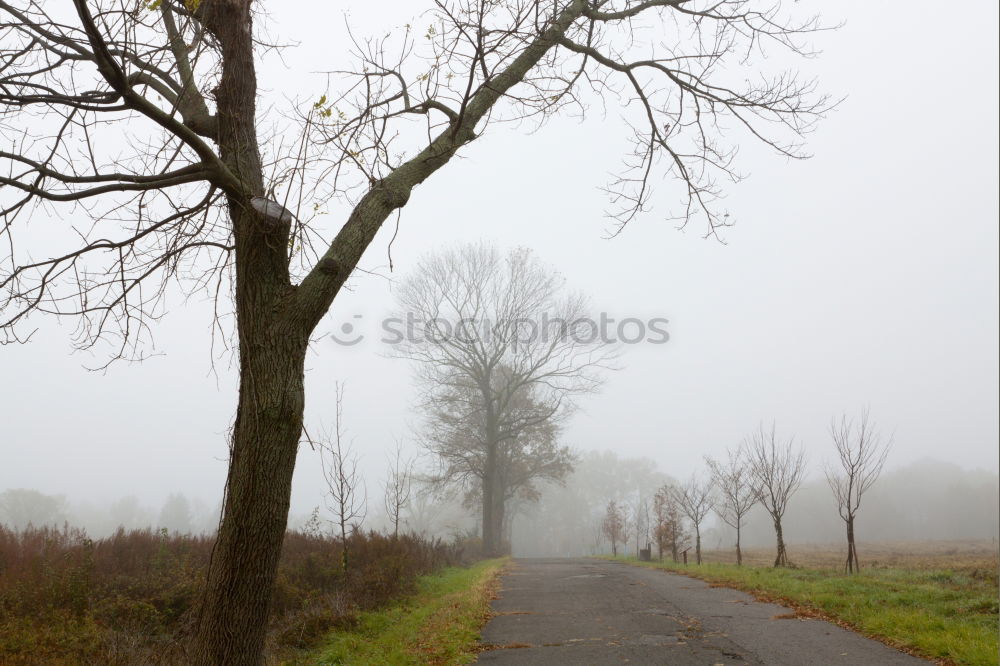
x=947, y=615
x=439, y=624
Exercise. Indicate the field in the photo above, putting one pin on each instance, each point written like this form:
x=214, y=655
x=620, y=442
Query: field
x=132, y=598
x=961, y=555
x=934, y=599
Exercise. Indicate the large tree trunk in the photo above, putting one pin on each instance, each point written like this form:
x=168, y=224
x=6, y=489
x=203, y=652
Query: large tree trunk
x=233, y=619
x=491, y=536
x=739, y=553
x=489, y=511
x=697, y=544
x=782, y=557
x=507, y=527
x=500, y=521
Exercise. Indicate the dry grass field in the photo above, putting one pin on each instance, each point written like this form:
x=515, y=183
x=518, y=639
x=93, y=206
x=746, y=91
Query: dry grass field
x=979, y=556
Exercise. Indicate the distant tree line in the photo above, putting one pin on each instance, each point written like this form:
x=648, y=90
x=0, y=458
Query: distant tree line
x=758, y=495
x=766, y=470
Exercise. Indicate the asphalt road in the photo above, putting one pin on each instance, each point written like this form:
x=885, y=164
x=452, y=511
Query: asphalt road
x=593, y=612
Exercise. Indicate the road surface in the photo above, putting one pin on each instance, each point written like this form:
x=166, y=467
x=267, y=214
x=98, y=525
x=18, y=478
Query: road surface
x=594, y=612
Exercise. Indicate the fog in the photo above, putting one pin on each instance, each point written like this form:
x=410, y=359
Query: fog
x=866, y=276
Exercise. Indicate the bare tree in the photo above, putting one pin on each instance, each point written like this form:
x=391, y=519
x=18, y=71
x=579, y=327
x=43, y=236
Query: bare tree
x=398, y=485
x=627, y=525
x=695, y=499
x=637, y=517
x=861, y=452
x=140, y=124
x=525, y=463
x=660, y=500
x=669, y=530
x=345, y=496
x=777, y=471
x=499, y=357
x=455, y=434
x=642, y=522
x=613, y=526
x=737, y=492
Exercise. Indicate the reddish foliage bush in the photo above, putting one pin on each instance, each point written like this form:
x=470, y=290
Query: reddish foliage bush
x=133, y=597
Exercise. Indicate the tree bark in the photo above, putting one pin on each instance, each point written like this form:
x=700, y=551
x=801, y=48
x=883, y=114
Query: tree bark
x=490, y=489
x=852, y=564
x=782, y=557
x=697, y=544
x=236, y=603
x=489, y=505
x=499, y=520
x=233, y=622
x=739, y=553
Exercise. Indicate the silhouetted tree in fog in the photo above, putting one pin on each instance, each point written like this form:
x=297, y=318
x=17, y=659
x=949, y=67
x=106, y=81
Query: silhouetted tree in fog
x=500, y=355
x=345, y=489
x=176, y=515
x=695, y=500
x=613, y=526
x=737, y=493
x=642, y=527
x=861, y=454
x=127, y=513
x=398, y=485
x=20, y=507
x=512, y=468
x=669, y=522
x=777, y=471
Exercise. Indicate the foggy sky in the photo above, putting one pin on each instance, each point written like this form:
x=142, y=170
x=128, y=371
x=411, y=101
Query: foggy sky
x=866, y=275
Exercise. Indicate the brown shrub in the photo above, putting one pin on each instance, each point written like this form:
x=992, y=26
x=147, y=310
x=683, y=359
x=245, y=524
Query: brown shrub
x=133, y=597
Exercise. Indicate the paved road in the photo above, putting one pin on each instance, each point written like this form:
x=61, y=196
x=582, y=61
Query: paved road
x=592, y=612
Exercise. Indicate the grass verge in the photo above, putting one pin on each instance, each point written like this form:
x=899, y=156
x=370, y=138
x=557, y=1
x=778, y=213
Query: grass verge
x=439, y=624
x=947, y=615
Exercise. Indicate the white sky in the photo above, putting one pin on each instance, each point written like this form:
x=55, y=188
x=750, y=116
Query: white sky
x=866, y=275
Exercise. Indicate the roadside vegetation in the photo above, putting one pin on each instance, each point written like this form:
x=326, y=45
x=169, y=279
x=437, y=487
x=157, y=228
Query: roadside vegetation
x=133, y=597
x=946, y=612
x=439, y=624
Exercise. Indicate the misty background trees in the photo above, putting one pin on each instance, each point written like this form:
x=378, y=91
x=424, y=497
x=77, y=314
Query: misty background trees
x=919, y=501
x=500, y=348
